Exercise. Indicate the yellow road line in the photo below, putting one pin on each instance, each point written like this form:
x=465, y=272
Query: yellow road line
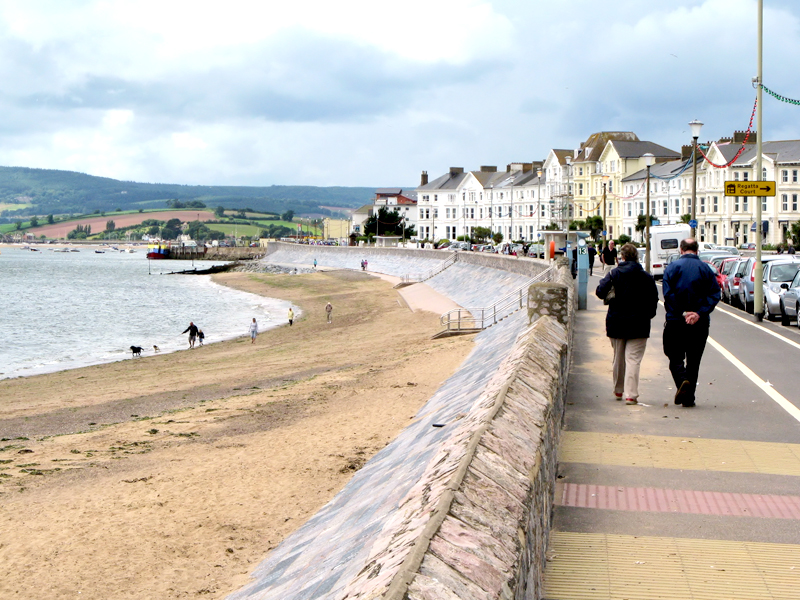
x=590, y=566
x=696, y=454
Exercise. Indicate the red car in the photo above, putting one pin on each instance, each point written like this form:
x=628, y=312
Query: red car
x=719, y=276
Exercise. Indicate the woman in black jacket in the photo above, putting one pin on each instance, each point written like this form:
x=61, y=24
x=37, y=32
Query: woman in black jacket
x=632, y=305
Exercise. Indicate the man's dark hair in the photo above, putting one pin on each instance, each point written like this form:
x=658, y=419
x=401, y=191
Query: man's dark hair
x=689, y=245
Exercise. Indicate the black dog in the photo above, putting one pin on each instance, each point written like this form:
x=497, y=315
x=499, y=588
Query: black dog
x=136, y=350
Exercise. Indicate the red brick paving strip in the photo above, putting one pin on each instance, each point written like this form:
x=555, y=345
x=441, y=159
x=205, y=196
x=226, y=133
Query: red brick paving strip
x=679, y=501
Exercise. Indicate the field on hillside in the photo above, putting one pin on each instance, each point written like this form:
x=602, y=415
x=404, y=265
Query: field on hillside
x=98, y=223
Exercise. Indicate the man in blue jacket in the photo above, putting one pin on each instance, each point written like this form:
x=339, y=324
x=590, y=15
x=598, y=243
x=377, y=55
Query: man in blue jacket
x=691, y=292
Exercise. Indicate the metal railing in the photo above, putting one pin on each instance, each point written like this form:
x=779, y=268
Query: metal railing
x=473, y=319
x=453, y=259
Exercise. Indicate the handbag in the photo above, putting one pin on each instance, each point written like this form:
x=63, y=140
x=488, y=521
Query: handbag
x=610, y=295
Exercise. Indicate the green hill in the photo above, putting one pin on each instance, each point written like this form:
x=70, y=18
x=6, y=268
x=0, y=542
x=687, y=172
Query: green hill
x=25, y=192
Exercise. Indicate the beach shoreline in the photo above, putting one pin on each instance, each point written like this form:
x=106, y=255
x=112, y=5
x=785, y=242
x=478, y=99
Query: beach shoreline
x=171, y=476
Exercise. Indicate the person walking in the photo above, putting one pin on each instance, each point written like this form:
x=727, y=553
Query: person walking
x=291, y=316
x=329, y=312
x=200, y=337
x=630, y=311
x=592, y=253
x=691, y=292
x=253, y=331
x=192, y=329
x=608, y=257
x=315, y=263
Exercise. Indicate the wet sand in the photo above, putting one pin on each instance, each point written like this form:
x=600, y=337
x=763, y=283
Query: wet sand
x=171, y=476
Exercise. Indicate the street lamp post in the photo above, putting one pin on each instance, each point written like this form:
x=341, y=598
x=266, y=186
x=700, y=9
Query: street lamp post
x=539, y=200
x=568, y=203
x=696, y=127
x=605, y=225
x=649, y=159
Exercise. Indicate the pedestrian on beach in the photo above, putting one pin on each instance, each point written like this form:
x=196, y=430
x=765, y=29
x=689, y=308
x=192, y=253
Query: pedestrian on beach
x=630, y=311
x=200, y=336
x=592, y=253
x=291, y=316
x=315, y=263
x=192, y=329
x=253, y=331
x=366, y=264
x=329, y=311
x=362, y=264
x=691, y=292
x=608, y=257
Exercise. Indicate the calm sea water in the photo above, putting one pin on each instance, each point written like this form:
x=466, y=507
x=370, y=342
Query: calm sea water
x=72, y=309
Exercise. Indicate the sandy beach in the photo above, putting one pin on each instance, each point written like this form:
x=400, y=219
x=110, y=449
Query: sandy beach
x=171, y=476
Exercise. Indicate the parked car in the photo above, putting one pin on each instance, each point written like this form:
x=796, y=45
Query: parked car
x=750, y=246
x=731, y=249
x=790, y=300
x=730, y=290
x=717, y=274
x=747, y=281
x=777, y=272
x=726, y=269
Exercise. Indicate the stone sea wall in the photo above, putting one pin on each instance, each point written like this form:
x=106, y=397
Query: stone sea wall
x=459, y=506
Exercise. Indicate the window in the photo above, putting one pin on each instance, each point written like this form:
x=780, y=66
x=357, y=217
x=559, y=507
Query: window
x=426, y=198
x=763, y=173
x=580, y=189
x=784, y=200
x=530, y=210
x=665, y=208
x=702, y=205
x=435, y=212
x=480, y=213
x=610, y=209
x=794, y=176
x=745, y=176
x=785, y=176
x=736, y=176
x=745, y=203
x=715, y=204
x=794, y=202
x=580, y=170
x=435, y=197
x=763, y=204
x=736, y=204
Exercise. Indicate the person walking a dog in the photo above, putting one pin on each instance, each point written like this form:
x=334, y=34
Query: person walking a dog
x=192, y=329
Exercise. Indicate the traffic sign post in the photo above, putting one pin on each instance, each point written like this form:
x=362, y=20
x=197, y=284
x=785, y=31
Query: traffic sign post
x=750, y=188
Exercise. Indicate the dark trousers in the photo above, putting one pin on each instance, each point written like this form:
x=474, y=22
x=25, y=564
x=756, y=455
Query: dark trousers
x=684, y=345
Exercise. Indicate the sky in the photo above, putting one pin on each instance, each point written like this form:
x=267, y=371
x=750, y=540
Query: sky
x=371, y=92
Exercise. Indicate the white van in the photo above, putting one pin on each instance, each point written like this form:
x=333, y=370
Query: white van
x=665, y=240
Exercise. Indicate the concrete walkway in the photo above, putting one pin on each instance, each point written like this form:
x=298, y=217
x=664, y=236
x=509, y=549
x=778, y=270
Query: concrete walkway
x=660, y=501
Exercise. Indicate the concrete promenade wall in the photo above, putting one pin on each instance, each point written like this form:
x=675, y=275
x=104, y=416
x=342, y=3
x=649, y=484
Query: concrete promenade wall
x=458, y=506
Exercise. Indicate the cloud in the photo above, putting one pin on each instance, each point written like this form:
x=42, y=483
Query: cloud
x=371, y=93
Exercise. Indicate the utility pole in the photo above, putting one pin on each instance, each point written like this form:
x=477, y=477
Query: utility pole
x=758, y=295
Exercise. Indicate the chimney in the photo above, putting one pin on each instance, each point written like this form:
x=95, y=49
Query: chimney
x=487, y=169
x=738, y=137
x=686, y=152
x=456, y=170
x=424, y=179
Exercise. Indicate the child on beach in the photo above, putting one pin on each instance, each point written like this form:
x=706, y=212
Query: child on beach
x=200, y=336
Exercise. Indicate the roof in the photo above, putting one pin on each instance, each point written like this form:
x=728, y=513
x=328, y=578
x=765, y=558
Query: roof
x=637, y=149
x=448, y=181
x=595, y=143
x=388, y=191
x=665, y=169
x=787, y=151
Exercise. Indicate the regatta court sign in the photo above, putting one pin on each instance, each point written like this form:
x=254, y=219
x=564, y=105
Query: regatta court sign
x=749, y=188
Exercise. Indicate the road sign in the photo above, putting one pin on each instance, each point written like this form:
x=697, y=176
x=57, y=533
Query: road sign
x=749, y=188
x=693, y=223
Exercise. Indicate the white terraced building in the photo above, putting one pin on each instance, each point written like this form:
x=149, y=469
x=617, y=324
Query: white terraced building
x=528, y=199
x=725, y=220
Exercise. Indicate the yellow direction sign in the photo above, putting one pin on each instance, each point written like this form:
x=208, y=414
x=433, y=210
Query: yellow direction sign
x=749, y=188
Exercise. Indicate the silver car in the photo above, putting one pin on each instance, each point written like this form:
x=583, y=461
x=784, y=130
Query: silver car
x=790, y=300
x=777, y=272
x=747, y=280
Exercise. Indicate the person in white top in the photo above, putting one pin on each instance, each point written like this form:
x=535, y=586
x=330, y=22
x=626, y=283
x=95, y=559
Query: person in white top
x=253, y=331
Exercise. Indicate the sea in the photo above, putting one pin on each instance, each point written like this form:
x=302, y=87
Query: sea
x=64, y=310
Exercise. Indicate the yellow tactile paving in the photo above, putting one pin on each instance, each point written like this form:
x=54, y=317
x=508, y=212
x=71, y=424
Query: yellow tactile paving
x=589, y=566
x=680, y=453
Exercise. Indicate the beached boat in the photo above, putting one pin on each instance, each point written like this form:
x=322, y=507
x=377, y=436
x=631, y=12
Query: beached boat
x=158, y=250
